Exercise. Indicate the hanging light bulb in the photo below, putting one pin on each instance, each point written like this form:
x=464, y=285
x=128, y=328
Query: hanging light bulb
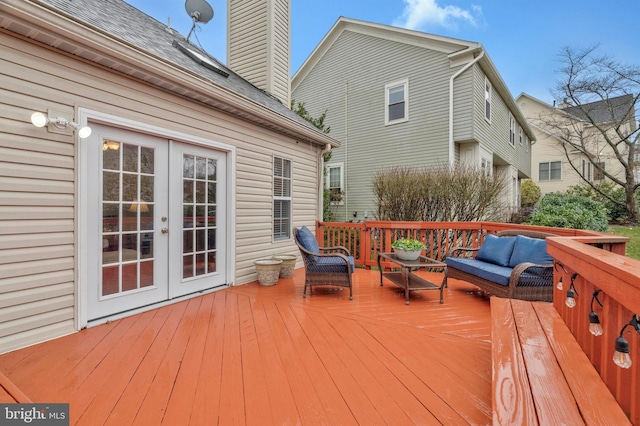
x=621, y=356
x=594, y=321
x=570, y=301
x=594, y=324
x=559, y=285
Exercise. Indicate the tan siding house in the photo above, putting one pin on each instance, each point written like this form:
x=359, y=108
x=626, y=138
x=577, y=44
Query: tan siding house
x=438, y=84
x=550, y=167
x=171, y=195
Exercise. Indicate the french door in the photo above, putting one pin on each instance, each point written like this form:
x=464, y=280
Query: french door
x=156, y=220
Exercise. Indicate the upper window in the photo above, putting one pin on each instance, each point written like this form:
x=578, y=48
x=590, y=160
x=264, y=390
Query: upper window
x=487, y=99
x=512, y=130
x=281, y=198
x=397, y=107
x=335, y=182
x=551, y=170
x=520, y=133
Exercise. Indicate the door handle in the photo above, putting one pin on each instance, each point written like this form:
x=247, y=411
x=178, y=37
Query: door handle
x=165, y=230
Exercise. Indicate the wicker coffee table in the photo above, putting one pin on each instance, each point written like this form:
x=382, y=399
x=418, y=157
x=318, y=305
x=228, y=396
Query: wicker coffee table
x=406, y=279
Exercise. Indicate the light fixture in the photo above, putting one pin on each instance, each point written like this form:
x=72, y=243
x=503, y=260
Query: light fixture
x=38, y=119
x=621, y=355
x=571, y=293
x=144, y=208
x=559, y=285
x=594, y=321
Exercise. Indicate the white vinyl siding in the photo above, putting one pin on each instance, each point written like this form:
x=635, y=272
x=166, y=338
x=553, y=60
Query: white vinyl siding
x=39, y=183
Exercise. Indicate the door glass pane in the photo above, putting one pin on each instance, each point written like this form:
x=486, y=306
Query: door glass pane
x=199, y=213
x=128, y=217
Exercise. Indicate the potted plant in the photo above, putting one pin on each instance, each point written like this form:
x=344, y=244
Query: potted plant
x=407, y=248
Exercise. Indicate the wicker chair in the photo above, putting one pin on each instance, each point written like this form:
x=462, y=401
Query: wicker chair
x=528, y=281
x=332, y=266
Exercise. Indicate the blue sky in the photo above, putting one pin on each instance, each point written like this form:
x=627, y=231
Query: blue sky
x=523, y=38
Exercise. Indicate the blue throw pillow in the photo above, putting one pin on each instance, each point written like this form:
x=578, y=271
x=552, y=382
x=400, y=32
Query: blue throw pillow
x=307, y=240
x=529, y=249
x=496, y=250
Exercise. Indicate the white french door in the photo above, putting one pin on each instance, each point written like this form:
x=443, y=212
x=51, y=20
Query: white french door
x=155, y=218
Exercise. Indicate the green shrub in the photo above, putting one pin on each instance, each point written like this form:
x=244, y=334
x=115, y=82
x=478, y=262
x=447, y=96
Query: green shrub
x=563, y=210
x=530, y=194
x=610, y=195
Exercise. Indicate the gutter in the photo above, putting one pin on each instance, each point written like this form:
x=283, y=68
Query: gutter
x=452, y=147
x=325, y=151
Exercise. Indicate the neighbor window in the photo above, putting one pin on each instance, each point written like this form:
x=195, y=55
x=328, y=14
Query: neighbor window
x=598, y=172
x=551, y=170
x=520, y=135
x=281, y=198
x=396, y=95
x=335, y=181
x=487, y=99
x=512, y=130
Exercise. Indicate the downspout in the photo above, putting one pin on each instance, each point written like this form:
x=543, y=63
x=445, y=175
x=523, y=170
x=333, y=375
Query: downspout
x=452, y=147
x=326, y=150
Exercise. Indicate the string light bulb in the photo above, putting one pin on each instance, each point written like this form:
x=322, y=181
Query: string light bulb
x=594, y=321
x=570, y=301
x=621, y=356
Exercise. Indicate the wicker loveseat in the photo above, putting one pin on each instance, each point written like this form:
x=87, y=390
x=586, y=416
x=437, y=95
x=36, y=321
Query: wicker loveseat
x=331, y=266
x=512, y=264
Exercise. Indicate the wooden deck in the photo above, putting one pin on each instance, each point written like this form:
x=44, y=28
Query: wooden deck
x=264, y=355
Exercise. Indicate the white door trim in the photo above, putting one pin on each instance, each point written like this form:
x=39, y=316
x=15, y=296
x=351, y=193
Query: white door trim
x=84, y=117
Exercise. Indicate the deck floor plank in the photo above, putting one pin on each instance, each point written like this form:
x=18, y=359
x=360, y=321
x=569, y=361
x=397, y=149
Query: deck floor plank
x=264, y=355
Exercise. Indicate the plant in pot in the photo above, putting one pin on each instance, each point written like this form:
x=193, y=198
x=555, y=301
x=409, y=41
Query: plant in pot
x=407, y=248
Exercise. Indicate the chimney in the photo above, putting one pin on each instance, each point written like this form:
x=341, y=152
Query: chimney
x=258, y=44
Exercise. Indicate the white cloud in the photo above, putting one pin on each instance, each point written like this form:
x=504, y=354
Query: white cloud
x=420, y=14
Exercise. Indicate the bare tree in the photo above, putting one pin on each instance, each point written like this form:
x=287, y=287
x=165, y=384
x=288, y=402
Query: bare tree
x=598, y=120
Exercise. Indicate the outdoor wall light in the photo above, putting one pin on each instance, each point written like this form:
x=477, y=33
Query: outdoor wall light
x=594, y=321
x=38, y=119
x=571, y=293
x=621, y=355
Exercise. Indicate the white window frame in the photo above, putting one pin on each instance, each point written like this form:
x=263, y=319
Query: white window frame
x=387, y=88
x=488, y=95
x=285, y=233
x=327, y=183
x=549, y=168
x=520, y=135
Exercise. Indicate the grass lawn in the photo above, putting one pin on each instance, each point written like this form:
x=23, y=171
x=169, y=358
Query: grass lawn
x=633, y=232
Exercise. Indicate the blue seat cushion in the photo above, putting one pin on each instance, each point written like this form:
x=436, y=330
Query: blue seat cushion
x=496, y=250
x=488, y=271
x=307, y=240
x=532, y=250
x=330, y=264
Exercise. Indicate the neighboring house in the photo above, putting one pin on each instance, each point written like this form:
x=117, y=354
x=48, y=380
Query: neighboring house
x=189, y=175
x=396, y=97
x=554, y=171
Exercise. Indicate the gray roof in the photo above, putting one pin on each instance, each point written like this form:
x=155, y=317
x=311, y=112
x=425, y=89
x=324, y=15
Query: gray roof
x=123, y=21
x=609, y=110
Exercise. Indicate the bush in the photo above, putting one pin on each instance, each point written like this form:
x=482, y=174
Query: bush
x=610, y=195
x=530, y=193
x=438, y=193
x=564, y=210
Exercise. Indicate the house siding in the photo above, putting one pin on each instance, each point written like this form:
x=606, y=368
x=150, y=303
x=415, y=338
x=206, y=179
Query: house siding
x=358, y=67
x=258, y=43
x=39, y=179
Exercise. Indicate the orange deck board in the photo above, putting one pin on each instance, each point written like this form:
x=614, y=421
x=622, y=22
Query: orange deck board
x=264, y=355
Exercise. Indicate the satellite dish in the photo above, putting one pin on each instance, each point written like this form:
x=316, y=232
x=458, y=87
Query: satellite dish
x=199, y=10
